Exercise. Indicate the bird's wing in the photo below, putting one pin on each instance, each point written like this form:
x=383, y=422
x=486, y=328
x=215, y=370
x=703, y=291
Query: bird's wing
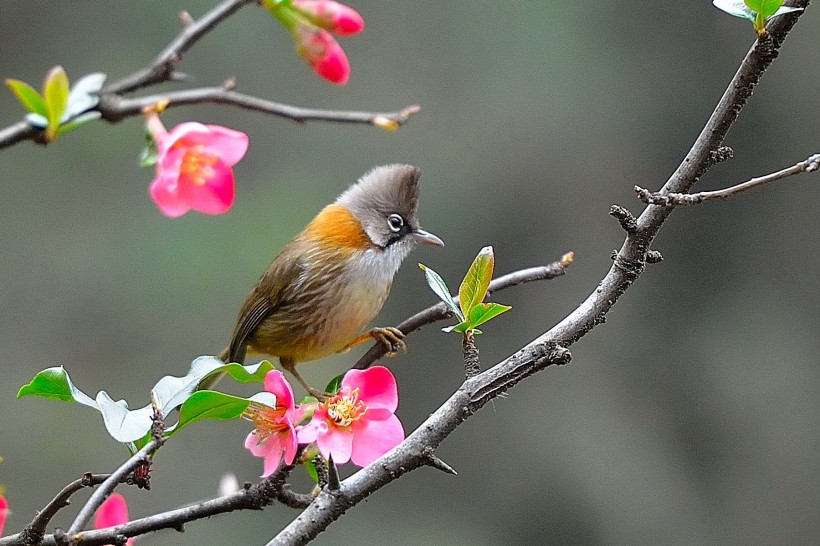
x=265, y=298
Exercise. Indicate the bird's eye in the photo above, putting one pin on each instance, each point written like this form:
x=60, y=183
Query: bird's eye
x=395, y=222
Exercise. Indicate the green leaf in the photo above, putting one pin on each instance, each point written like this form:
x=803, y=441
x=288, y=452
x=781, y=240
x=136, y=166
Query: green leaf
x=335, y=384
x=765, y=8
x=311, y=470
x=133, y=426
x=474, y=287
x=55, y=384
x=78, y=122
x=55, y=93
x=744, y=10
x=122, y=424
x=216, y=406
x=459, y=328
x=439, y=287
x=483, y=312
x=28, y=97
x=149, y=154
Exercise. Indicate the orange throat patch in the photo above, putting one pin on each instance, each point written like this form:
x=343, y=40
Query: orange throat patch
x=336, y=226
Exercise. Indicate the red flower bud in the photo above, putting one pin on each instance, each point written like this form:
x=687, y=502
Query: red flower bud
x=337, y=18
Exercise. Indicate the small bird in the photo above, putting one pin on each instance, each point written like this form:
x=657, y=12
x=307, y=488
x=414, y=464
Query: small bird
x=329, y=282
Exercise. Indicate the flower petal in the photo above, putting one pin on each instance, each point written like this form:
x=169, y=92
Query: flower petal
x=112, y=512
x=4, y=510
x=377, y=387
x=276, y=383
x=231, y=145
x=375, y=438
x=336, y=442
x=191, y=131
x=215, y=196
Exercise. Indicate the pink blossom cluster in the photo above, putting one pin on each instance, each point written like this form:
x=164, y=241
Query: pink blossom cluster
x=356, y=424
x=312, y=24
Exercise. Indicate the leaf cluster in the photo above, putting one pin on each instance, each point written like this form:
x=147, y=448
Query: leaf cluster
x=133, y=427
x=60, y=108
x=471, y=309
x=757, y=11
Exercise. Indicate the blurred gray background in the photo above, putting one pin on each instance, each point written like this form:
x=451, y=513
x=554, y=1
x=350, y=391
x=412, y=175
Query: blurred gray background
x=691, y=417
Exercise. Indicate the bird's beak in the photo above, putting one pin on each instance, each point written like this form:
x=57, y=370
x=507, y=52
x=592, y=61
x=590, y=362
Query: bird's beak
x=427, y=237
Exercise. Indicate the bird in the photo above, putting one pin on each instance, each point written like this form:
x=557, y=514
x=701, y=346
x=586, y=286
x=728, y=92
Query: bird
x=330, y=281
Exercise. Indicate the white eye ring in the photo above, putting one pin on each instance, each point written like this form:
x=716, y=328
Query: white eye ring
x=395, y=222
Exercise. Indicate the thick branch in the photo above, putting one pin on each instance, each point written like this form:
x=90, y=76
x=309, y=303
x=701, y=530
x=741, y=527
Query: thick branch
x=674, y=199
x=549, y=348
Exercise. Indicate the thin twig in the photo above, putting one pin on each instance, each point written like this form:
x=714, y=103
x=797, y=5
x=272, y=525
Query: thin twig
x=35, y=530
x=674, y=199
x=163, y=66
x=115, y=108
x=109, y=484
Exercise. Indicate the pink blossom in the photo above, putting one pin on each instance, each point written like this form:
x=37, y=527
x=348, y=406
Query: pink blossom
x=322, y=52
x=274, y=438
x=4, y=510
x=194, y=167
x=111, y=513
x=337, y=18
x=358, y=423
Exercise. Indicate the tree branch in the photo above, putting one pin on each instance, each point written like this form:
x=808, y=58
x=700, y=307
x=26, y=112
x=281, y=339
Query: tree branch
x=162, y=68
x=107, y=487
x=674, y=199
x=114, y=107
x=550, y=348
x=34, y=532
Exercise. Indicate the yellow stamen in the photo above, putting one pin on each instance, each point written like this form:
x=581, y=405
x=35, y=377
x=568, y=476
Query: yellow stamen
x=345, y=407
x=197, y=164
x=268, y=421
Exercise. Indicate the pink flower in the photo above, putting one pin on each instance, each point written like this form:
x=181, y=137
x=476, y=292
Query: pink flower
x=337, y=18
x=357, y=424
x=4, y=510
x=274, y=437
x=322, y=52
x=111, y=513
x=194, y=167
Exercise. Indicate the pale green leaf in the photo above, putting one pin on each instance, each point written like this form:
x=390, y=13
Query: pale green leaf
x=55, y=93
x=483, y=312
x=28, y=97
x=438, y=286
x=474, y=287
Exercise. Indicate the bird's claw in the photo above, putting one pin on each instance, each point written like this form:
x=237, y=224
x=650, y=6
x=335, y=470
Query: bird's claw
x=391, y=338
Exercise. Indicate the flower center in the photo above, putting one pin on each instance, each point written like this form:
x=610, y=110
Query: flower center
x=345, y=407
x=197, y=164
x=268, y=421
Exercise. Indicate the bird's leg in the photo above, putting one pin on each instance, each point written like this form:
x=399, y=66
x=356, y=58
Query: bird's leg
x=391, y=338
x=290, y=366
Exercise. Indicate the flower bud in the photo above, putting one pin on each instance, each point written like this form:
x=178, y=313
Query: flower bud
x=322, y=52
x=332, y=16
